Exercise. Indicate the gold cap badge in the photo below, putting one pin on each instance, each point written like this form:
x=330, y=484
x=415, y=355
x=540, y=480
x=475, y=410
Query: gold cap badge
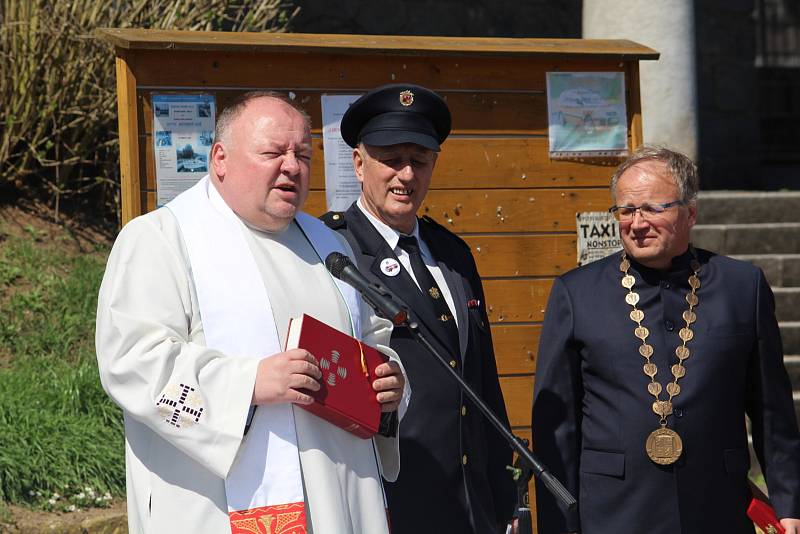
x=406, y=97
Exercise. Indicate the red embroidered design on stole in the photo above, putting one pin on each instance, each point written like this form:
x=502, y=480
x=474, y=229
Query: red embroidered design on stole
x=277, y=519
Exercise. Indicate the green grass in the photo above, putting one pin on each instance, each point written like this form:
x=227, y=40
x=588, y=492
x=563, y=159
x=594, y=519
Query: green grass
x=57, y=426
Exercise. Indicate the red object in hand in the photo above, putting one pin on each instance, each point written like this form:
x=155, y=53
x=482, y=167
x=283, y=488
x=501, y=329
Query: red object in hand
x=762, y=513
x=346, y=398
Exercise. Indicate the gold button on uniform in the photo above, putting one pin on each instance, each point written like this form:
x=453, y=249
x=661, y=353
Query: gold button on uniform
x=463, y=410
x=453, y=363
x=464, y=459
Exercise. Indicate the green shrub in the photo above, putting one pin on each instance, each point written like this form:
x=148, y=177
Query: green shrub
x=58, y=117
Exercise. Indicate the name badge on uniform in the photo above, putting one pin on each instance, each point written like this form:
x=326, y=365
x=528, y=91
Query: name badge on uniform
x=390, y=267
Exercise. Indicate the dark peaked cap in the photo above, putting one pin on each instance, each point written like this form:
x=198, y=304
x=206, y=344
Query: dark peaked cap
x=397, y=113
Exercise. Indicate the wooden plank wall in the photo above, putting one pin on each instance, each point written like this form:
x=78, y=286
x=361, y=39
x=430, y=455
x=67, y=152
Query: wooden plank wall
x=494, y=184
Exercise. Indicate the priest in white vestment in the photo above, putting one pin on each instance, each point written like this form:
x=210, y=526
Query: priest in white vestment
x=192, y=317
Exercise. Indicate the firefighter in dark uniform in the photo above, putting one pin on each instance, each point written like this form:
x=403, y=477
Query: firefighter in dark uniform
x=453, y=476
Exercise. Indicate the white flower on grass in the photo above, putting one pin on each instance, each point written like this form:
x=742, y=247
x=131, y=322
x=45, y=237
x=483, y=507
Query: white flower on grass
x=81, y=495
x=107, y=496
x=52, y=501
x=31, y=493
x=71, y=508
x=56, y=496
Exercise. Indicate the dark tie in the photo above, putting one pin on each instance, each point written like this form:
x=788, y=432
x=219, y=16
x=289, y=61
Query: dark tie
x=431, y=291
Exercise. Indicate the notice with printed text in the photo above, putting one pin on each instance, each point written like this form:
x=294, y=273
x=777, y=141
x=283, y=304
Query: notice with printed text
x=183, y=132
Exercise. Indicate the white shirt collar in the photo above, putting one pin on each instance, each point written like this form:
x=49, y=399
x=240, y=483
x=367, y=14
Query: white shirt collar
x=388, y=233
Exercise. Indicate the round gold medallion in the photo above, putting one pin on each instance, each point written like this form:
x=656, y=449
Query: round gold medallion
x=682, y=352
x=641, y=332
x=646, y=350
x=673, y=388
x=624, y=265
x=686, y=334
x=678, y=371
x=637, y=316
x=694, y=282
x=692, y=299
x=664, y=446
x=628, y=281
x=650, y=369
x=632, y=298
x=654, y=388
x=689, y=316
x=662, y=408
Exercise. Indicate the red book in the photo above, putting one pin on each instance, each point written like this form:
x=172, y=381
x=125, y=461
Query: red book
x=346, y=398
x=762, y=513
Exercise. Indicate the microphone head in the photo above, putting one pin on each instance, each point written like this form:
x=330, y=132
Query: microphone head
x=336, y=262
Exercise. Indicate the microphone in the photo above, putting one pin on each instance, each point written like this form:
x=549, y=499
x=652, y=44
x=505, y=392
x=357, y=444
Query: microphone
x=342, y=268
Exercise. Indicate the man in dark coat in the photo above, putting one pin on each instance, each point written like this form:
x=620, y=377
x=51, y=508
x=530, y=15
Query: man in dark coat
x=648, y=362
x=453, y=476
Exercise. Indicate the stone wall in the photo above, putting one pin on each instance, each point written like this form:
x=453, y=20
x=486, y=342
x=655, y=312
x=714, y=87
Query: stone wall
x=456, y=18
x=727, y=94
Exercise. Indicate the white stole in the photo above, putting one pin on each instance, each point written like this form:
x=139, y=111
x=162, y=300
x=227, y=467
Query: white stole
x=237, y=320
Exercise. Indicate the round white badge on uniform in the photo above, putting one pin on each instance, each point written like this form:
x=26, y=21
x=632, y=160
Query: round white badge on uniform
x=390, y=267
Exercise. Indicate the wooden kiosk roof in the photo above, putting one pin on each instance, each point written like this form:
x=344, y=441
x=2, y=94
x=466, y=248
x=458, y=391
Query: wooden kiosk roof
x=138, y=39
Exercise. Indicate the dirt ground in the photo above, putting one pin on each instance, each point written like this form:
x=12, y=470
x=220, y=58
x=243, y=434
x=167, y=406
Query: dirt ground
x=25, y=218
x=112, y=520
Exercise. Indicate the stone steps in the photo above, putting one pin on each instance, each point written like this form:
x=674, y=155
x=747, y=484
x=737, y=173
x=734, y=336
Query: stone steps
x=787, y=303
x=755, y=238
x=792, y=363
x=781, y=270
x=796, y=397
x=790, y=334
x=740, y=207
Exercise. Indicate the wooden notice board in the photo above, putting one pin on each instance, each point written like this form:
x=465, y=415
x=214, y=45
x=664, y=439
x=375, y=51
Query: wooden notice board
x=494, y=183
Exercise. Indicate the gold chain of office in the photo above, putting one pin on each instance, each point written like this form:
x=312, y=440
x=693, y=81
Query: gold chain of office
x=663, y=445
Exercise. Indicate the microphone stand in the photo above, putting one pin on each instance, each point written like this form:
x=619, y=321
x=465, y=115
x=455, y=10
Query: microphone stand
x=529, y=464
x=379, y=298
x=522, y=475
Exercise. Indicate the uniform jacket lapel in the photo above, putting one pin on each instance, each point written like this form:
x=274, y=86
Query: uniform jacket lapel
x=455, y=283
x=402, y=285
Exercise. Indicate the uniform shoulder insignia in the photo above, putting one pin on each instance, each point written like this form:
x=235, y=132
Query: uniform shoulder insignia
x=334, y=220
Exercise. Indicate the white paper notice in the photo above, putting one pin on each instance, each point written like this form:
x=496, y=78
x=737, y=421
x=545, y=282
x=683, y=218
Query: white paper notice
x=342, y=188
x=598, y=235
x=183, y=132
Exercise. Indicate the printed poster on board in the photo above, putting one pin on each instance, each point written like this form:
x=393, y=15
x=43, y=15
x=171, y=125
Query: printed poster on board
x=183, y=132
x=586, y=114
x=342, y=188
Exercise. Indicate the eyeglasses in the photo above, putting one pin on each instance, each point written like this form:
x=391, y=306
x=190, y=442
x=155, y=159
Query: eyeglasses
x=647, y=211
